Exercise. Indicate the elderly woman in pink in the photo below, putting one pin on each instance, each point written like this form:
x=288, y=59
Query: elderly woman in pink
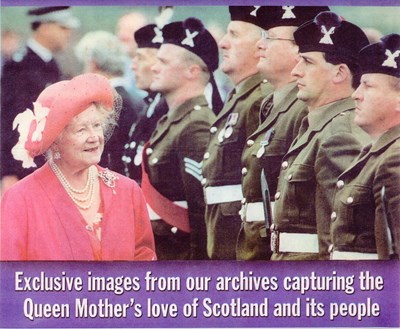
x=72, y=209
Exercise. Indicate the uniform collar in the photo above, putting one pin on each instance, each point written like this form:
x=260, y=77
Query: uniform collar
x=191, y=104
x=248, y=83
x=322, y=115
x=40, y=50
x=387, y=138
x=281, y=94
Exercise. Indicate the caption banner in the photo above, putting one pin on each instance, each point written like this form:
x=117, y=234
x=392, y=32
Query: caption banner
x=199, y=294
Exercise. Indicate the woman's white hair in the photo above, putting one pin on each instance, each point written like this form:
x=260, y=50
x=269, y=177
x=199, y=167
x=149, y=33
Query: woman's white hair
x=105, y=50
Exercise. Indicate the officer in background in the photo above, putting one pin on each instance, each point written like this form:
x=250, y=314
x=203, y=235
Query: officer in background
x=102, y=53
x=171, y=180
x=365, y=221
x=237, y=120
x=328, y=140
x=30, y=71
x=280, y=118
x=148, y=39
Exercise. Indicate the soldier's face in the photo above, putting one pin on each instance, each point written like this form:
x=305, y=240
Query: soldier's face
x=169, y=70
x=278, y=54
x=377, y=103
x=56, y=36
x=239, y=50
x=142, y=62
x=314, y=78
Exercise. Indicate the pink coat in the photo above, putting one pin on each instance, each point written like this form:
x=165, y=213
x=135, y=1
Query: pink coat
x=39, y=221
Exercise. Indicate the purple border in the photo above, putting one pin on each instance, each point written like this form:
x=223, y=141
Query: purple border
x=11, y=302
x=195, y=2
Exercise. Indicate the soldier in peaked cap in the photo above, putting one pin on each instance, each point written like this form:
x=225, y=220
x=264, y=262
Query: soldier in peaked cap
x=29, y=72
x=149, y=39
x=328, y=139
x=173, y=155
x=237, y=120
x=280, y=117
x=365, y=221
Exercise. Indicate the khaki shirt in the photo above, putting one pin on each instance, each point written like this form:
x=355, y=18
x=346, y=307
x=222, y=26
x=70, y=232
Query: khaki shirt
x=221, y=163
x=280, y=128
x=175, y=153
x=358, y=221
x=309, y=171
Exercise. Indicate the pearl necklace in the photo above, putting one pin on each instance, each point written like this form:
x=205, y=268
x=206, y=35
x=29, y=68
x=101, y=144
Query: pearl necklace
x=88, y=189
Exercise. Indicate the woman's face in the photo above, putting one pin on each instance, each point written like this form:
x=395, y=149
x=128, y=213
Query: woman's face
x=82, y=141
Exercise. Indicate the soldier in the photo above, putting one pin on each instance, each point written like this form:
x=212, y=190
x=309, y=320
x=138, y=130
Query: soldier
x=281, y=115
x=328, y=139
x=236, y=121
x=172, y=166
x=148, y=39
x=365, y=221
x=30, y=71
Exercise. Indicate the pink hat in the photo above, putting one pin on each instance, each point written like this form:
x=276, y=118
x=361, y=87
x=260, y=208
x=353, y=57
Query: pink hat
x=54, y=109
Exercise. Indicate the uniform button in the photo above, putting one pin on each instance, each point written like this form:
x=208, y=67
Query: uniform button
x=243, y=201
x=132, y=145
x=331, y=247
x=333, y=215
x=174, y=230
x=128, y=160
x=213, y=130
x=197, y=107
x=340, y=184
x=204, y=181
x=265, y=81
x=149, y=151
x=126, y=146
x=289, y=178
x=277, y=195
x=244, y=171
x=154, y=161
x=284, y=165
x=350, y=200
x=273, y=227
x=206, y=155
x=250, y=142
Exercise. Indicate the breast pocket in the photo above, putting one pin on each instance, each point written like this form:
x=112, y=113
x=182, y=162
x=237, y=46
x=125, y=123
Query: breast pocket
x=358, y=208
x=300, y=182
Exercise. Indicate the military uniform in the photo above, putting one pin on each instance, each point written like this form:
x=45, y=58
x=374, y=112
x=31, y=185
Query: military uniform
x=175, y=153
x=265, y=149
x=358, y=226
x=140, y=133
x=22, y=81
x=306, y=186
x=221, y=165
x=113, y=149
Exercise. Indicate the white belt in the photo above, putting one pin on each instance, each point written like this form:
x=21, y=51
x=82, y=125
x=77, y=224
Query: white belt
x=154, y=216
x=253, y=212
x=221, y=194
x=294, y=242
x=350, y=255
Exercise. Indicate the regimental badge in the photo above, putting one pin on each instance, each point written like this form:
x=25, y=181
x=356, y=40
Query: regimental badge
x=189, y=40
x=288, y=14
x=391, y=58
x=326, y=39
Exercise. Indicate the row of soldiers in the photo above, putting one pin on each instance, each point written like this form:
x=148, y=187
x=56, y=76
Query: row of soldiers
x=300, y=162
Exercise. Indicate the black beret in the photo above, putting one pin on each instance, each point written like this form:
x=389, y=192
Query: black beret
x=149, y=36
x=45, y=10
x=382, y=57
x=330, y=33
x=246, y=14
x=193, y=36
x=273, y=16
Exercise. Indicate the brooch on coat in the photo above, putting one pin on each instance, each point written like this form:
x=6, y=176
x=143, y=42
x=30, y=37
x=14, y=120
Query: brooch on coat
x=109, y=178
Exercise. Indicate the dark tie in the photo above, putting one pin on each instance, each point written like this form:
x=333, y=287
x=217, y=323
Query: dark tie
x=231, y=95
x=266, y=108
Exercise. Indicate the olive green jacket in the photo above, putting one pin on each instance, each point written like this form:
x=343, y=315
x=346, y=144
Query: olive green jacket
x=360, y=223
x=280, y=128
x=174, y=162
x=221, y=164
x=307, y=181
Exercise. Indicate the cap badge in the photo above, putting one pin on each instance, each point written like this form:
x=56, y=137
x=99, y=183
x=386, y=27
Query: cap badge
x=254, y=12
x=326, y=39
x=390, y=60
x=288, y=12
x=158, y=38
x=189, y=38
